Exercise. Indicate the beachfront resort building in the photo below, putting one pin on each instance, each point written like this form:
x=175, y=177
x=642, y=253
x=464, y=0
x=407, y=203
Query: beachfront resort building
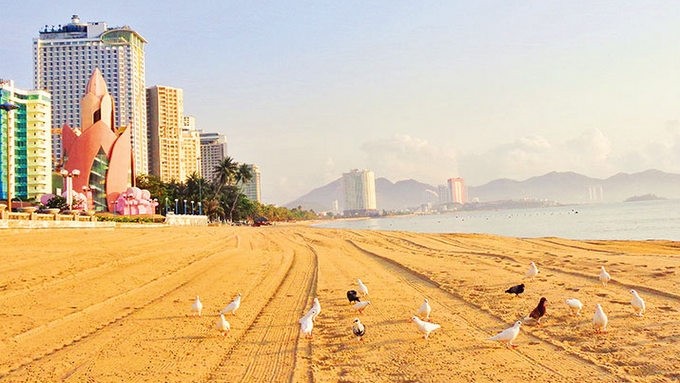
x=63, y=60
x=165, y=106
x=25, y=134
x=252, y=188
x=190, y=148
x=213, y=151
x=457, y=190
x=359, y=192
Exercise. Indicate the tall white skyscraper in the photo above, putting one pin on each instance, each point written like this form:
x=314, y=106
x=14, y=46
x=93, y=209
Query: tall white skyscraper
x=213, y=150
x=63, y=60
x=359, y=190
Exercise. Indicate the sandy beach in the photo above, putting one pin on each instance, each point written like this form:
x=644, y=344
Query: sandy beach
x=114, y=305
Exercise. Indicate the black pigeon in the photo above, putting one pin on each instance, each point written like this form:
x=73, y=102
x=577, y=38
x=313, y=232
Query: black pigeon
x=352, y=296
x=358, y=329
x=517, y=290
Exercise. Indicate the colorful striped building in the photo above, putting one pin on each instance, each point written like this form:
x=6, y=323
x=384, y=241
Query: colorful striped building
x=26, y=131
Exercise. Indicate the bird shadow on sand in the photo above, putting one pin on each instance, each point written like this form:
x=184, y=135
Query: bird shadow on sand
x=392, y=321
x=187, y=337
x=168, y=317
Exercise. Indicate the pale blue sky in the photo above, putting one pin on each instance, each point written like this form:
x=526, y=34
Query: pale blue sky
x=424, y=90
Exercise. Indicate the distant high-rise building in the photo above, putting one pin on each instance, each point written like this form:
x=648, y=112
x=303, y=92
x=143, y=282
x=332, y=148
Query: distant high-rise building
x=165, y=107
x=458, y=191
x=26, y=131
x=359, y=190
x=251, y=189
x=444, y=193
x=65, y=57
x=190, y=149
x=213, y=151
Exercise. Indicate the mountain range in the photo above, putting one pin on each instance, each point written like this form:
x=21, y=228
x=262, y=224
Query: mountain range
x=561, y=187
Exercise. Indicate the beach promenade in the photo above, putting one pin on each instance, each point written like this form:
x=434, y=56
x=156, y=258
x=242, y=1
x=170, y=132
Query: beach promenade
x=115, y=305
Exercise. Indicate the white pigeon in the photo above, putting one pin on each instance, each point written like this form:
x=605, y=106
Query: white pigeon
x=600, y=319
x=533, y=271
x=313, y=312
x=306, y=324
x=307, y=315
x=233, y=306
x=604, y=276
x=361, y=306
x=508, y=335
x=425, y=309
x=358, y=329
x=425, y=327
x=222, y=325
x=575, y=305
x=316, y=306
x=197, y=306
x=362, y=287
x=637, y=303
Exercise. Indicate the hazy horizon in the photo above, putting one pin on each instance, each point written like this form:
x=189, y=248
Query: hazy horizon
x=476, y=89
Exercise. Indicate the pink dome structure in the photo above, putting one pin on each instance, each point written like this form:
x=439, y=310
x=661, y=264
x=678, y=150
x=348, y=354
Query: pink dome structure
x=101, y=152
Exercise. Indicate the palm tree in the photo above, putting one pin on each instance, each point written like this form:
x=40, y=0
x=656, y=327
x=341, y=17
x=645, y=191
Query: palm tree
x=213, y=210
x=244, y=173
x=225, y=172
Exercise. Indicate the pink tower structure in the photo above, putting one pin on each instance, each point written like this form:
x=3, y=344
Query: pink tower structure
x=99, y=151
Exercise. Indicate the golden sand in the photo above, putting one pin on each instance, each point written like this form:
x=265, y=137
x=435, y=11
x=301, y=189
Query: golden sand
x=115, y=306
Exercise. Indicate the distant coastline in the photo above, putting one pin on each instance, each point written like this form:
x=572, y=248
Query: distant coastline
x=644, y=197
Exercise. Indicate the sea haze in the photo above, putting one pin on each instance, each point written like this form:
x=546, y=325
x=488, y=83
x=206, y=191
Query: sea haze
x=659, y=219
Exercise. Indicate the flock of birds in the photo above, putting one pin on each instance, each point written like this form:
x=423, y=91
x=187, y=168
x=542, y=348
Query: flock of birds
x=223, y=326
x=422, y=317
x=600, y=319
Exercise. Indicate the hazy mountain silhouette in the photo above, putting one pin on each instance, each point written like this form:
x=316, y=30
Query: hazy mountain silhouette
x=562, y=187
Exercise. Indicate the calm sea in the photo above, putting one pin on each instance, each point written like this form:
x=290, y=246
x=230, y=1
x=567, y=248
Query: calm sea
x=627, y=220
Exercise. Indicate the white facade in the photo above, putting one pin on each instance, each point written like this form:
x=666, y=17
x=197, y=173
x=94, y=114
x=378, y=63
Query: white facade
x=359, y=190
x=213, y=151
x=63, y=60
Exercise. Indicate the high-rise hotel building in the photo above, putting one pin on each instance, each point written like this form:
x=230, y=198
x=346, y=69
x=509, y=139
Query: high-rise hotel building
x=63, y=60
x=252, y=189
x=166, y=119
x=26, y=132
x=213, y=151
x=190, y=147
x=359, y=191
x=457, y=190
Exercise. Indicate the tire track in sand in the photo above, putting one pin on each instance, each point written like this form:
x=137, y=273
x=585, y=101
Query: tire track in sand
x=573, y=363
x=271, y=341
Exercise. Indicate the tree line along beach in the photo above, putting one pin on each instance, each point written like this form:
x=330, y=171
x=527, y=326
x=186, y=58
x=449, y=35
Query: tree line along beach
x=115, y=305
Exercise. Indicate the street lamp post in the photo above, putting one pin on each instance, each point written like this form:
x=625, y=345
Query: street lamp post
x=176, y=201
x=68, y=177
x=8, y=107
x=200, y=210
x=128, y=202
x=192, y=207
x=166, y=205
x=185, y=207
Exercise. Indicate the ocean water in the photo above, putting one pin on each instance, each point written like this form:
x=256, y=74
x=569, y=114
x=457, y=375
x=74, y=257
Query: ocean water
x=642, y=220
